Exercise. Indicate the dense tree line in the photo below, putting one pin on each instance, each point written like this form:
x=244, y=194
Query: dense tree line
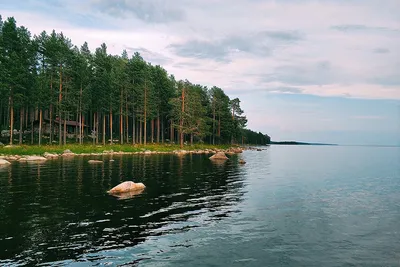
x=53, y=92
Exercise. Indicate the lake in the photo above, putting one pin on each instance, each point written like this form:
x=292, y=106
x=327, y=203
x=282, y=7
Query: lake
x=288, y=206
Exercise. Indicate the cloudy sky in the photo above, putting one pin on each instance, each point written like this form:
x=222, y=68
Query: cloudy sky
x=307, y=70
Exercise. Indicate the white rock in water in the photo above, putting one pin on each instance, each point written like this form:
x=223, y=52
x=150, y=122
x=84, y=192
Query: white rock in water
x=126, y=187
x=219, y=156
x=33, y=158
x=4, y=162
x=94, y=161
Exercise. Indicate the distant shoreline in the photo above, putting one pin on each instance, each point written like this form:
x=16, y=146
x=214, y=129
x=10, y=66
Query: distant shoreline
x=300, y=143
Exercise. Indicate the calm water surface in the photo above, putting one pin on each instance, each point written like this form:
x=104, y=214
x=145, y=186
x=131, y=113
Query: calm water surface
x=288, y=206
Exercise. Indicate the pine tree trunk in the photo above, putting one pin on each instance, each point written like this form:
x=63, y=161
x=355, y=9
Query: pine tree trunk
x=104, y=129
x=158, y=128
x=40, y=127
x=133, y=128
x=51, y=110
x=181, y=122
x=152, y=131
x=97, y=127
x=80, y=128
x=126, y=118
x=137, y=130
x=80, y=114
x=26, y=111
x=191, y=139
x=213, y=130
x=172, y=132
x=11, y=118
x=140, y=132
x=145, y=113
x=77, y=125
x=94, y=127
x=32, y=131
x=59, y=109
x=65, y=131
x=111, y=127
x=83, y=128
x=162, y=130
x=21, y=124
x=121, y=122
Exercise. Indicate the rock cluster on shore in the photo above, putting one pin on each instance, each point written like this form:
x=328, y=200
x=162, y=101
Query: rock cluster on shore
x=217, y=153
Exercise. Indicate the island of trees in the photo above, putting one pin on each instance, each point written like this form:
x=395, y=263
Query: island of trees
x=53, y=92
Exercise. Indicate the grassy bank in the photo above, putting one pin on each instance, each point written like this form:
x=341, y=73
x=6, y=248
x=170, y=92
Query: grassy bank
x=79, y=149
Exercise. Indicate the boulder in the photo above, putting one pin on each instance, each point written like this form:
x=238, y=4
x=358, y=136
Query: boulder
x=181, y=152
x=4, y=162
x=49, y=155
x=219, y=156
x=68, y=153
x=258, y=149
x=128, y=195
x=127, y=186
x=33, y=158
x=241, y=161
x=92, y=161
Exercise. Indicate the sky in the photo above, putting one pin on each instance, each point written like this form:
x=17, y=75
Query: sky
x=307, y=70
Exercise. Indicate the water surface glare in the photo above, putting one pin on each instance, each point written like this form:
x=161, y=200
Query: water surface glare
x=288, y=206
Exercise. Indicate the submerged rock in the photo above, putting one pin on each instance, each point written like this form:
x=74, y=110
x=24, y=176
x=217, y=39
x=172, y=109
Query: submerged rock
x=241, y=161
x=92, y=161
x=219, y=156
x=4, y=162
x=125, y=187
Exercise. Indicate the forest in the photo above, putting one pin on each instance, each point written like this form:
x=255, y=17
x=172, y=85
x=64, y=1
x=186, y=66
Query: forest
x=53, y=92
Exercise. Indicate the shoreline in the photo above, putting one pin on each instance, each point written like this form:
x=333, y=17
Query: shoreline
x=42, y=153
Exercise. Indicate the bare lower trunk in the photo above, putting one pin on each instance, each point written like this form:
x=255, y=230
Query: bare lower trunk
x=152, y=131
x=59, y=109
x=11, y=119
x=111, y=127
x=172, y=132
x=65, y=132
x=181, y=122
x=104, y=129
x=32, y=131
x=140, y=132
x=21, y=124
x=162, y=130
x=133, y=129
x=191, y=139
x=77, y=126
x=51, y=110
x=145, y=113
x=121, y=128
x=80, y=128
x=40, y=127
x=158, y=128
x=94, y=128
x=97, y=128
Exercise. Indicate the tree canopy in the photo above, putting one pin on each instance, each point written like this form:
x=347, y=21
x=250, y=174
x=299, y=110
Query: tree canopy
x=51, y=89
